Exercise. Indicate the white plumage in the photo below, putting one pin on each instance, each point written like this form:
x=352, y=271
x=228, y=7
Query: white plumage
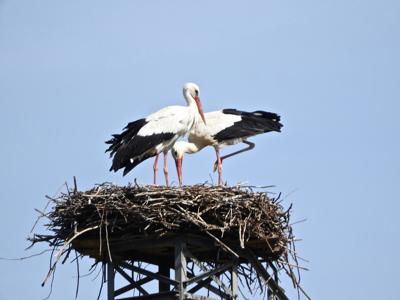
x=225, y=127
x=176, y=119
x=157, y=133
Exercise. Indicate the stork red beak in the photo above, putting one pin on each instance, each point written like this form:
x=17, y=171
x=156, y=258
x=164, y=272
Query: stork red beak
x=178, y=163
x=200, y=108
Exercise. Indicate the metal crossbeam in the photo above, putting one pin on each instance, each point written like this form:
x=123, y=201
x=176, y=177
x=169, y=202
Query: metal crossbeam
x=207, y=285
x=158, y=296
x=197, y=297
x=132, y=286
x=204, y=269
x=209, y=277
x=130, y=280
x=148, y=273
x=204, y=283
x=209, y=273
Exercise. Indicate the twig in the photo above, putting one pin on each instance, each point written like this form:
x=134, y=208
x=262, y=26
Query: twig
x=26, y=257
x=78, y=277
x=67, y=242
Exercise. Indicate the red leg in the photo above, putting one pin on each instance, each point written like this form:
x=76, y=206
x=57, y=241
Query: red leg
x=219, y=165
x=166, y=168
x=155, y=168
x=178, y=163
x=249, y=147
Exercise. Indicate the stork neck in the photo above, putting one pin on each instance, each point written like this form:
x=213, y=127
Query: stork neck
x=191, y=148
x=193, y=108
x=190, y=100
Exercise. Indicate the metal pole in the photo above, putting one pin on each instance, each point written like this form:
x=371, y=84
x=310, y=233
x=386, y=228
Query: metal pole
x=270, y=294
x=110, y=281
x=163, y=269
x=180, y=268
x=234, y=281
x=133, y=277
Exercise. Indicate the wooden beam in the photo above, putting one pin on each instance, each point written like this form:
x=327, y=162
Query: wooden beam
x=142, y=244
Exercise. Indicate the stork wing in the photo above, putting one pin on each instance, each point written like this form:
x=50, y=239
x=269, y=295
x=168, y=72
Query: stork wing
x=241, y=124
x=145, y=138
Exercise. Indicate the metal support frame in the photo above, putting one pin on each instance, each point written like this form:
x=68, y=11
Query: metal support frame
x=163, y=269
x=222, y=291
x=110, y=281
x=180, y=268
x=185, y=283
x=270, y=294
x=234, y=281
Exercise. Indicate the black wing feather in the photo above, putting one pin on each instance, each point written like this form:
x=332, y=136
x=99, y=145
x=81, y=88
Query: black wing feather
x=252, y=123
x=130, y=149
x=127, y=134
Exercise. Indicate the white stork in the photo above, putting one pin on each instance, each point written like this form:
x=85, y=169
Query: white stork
x=157, y=133
x=225, y=127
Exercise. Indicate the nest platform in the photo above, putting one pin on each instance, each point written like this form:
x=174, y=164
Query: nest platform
x=216, y=225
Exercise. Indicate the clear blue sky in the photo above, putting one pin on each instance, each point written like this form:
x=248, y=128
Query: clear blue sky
x=74, y=72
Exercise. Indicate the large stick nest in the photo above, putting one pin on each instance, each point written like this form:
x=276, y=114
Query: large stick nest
x=103, y=221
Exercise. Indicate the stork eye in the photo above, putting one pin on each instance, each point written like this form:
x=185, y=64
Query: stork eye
x=197, y=92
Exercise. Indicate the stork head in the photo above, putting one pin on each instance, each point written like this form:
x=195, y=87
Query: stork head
x=191, y=92
x=178, y=150
x=192, y=89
